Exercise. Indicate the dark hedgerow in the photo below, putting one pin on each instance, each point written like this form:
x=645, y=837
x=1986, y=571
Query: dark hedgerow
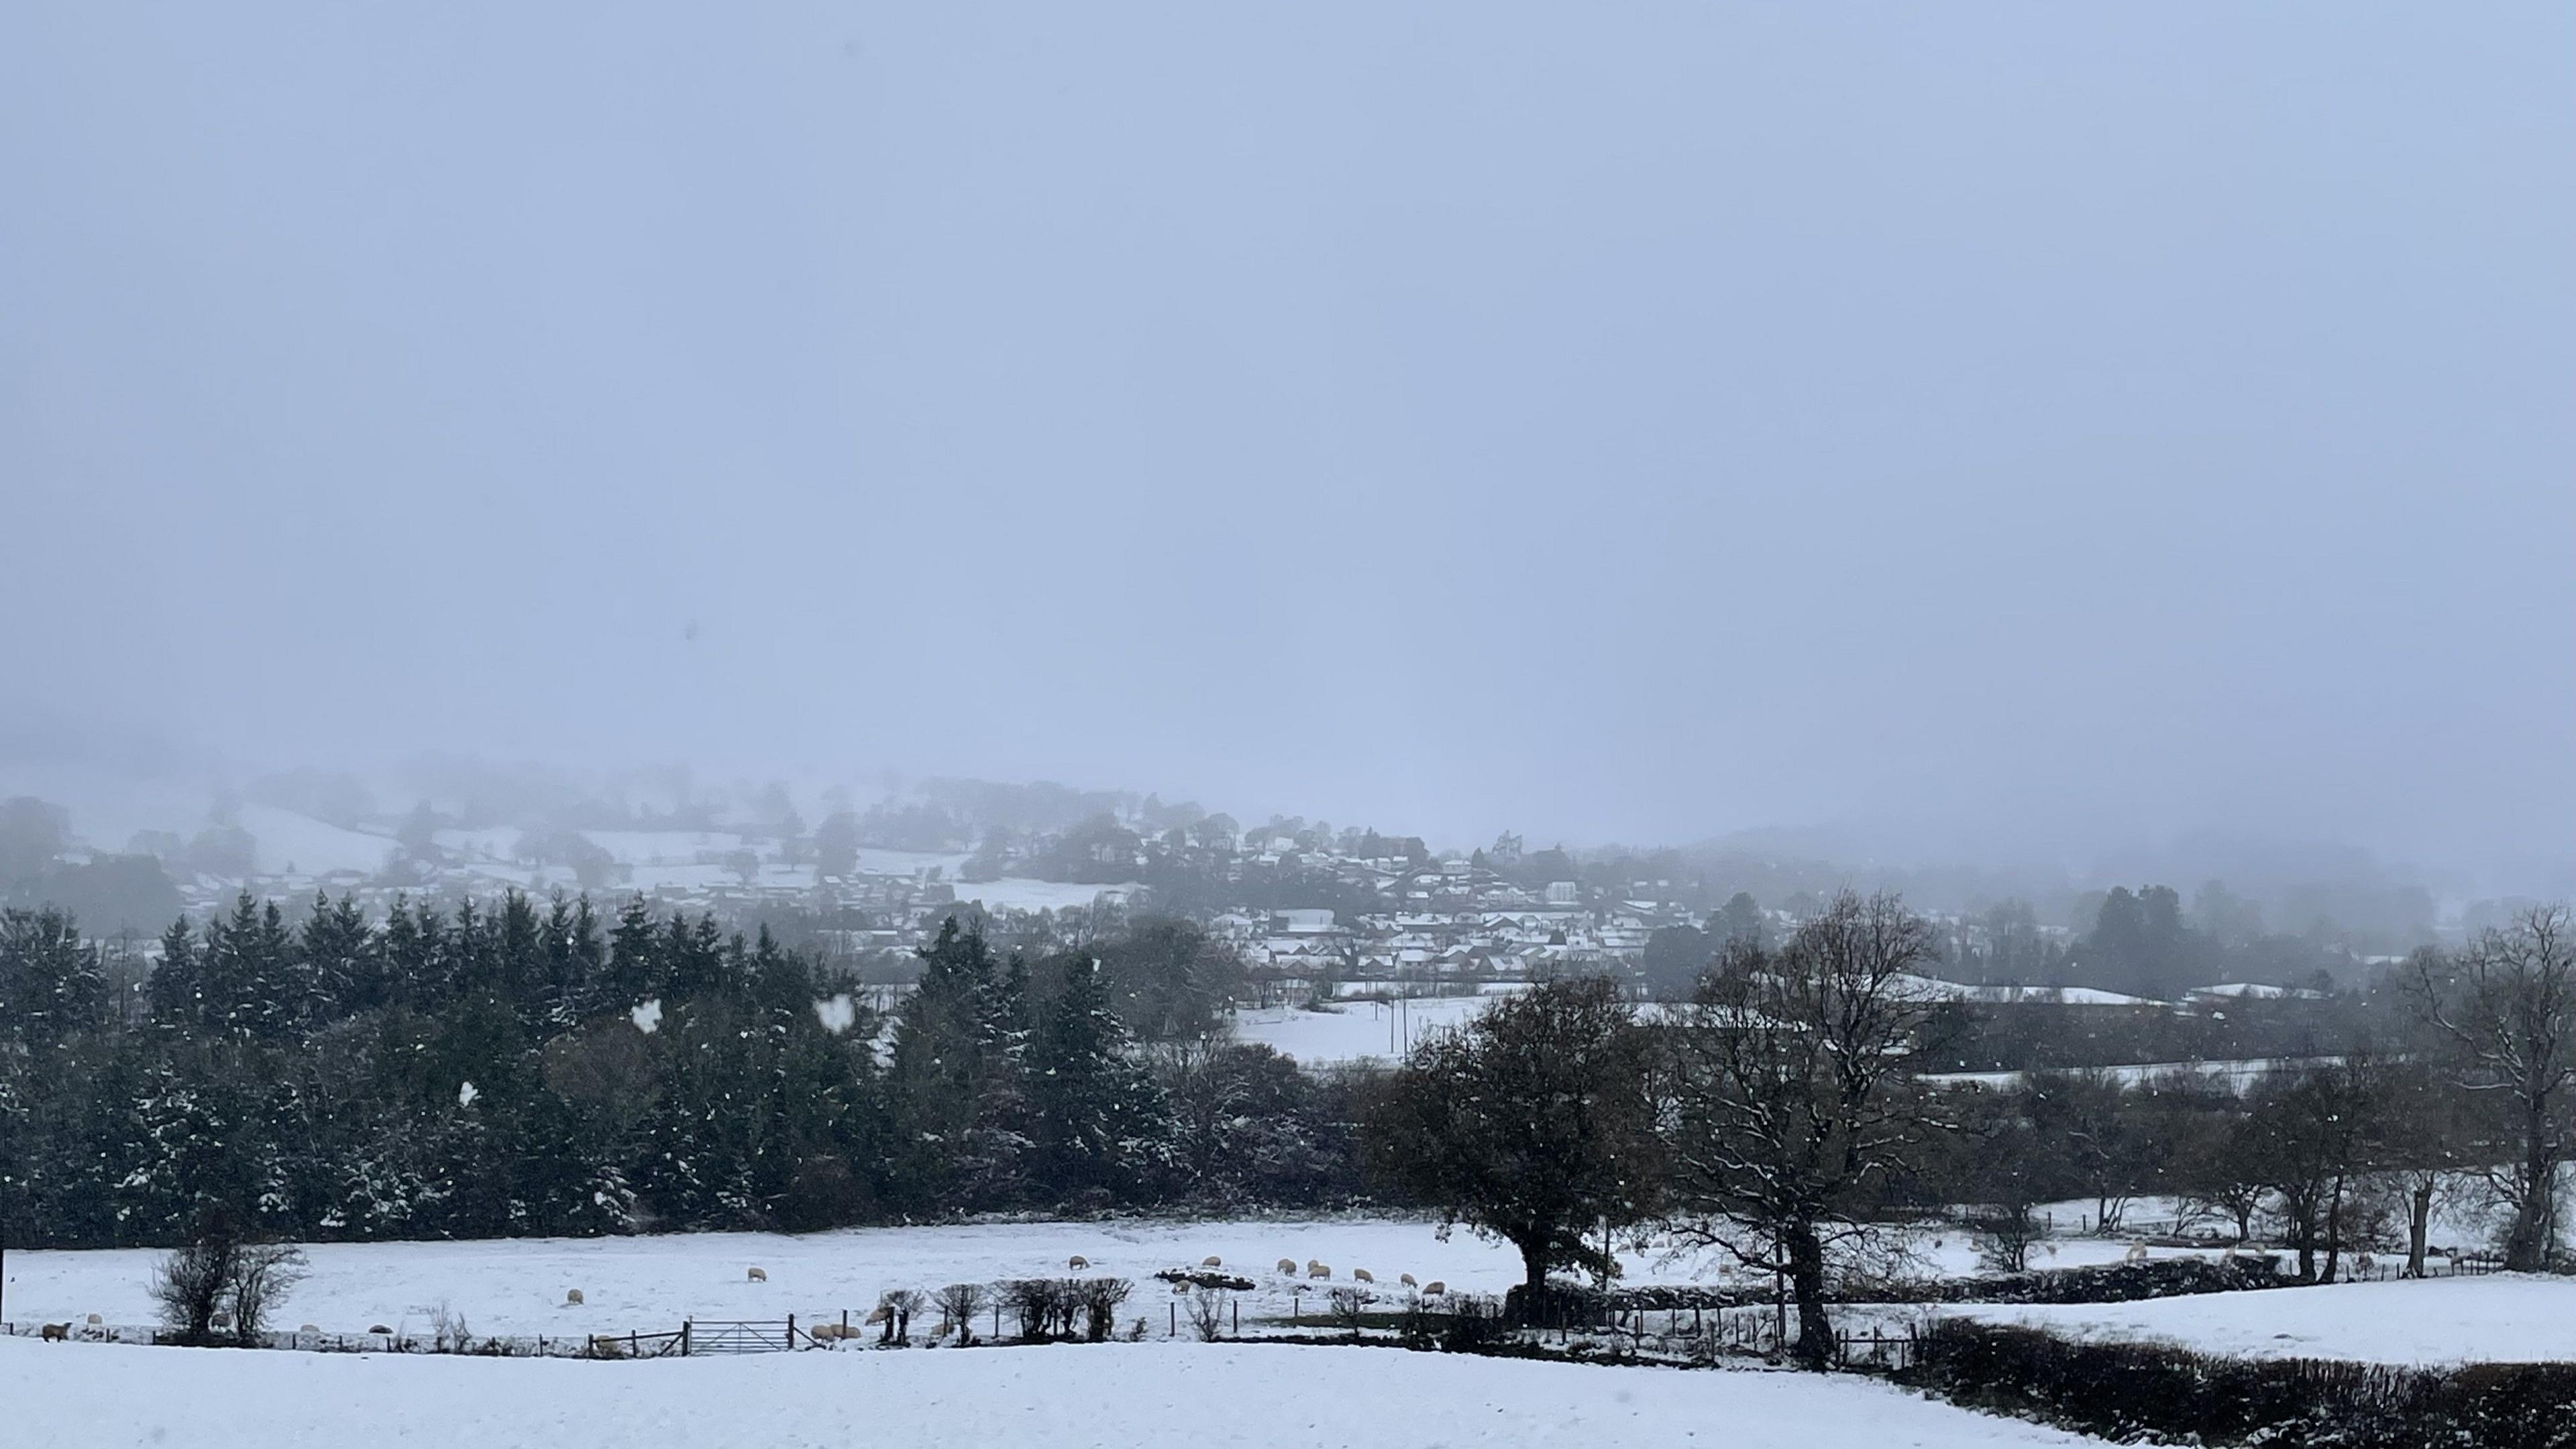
x=2159, y=1391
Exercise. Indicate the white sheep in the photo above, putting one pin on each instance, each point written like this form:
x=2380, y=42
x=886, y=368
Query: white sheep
x=757, y=1276
x=1434, y=1288
x=1211, y=1261
x=95, y=1320
x=1407, y=1280
x=310, y=1328
x=1077, y=1262
x=572, y=1299
x=1288, y=1266
x=1318, y=1270
x=2137, y=1253
x=1362, y=1275
x=878, y=1314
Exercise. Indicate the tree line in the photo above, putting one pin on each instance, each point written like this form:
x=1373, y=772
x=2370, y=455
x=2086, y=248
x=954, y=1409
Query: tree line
x=537, y=1068
x=1781, y=1111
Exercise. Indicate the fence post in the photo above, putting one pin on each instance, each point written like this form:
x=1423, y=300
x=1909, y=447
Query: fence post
x=684, y=1336
x=791, y=1332
x=1172, y=1329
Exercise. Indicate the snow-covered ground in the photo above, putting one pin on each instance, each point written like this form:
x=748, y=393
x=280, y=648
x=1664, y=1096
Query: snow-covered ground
x=1360, y=1031
x=645, y=1284
x=2501, y=1317
x=1137, y=1396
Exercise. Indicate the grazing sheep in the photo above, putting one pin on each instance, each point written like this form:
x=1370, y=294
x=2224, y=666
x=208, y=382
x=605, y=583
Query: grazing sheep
x=57, y=1333
x=1319, y=1270
x=1362, y=1275
x=572, y=1299
x=1211, y=1261
x=1407, y=1280
x=310, y=1328
x=607, y=1345
x=757, y=1276
x=877, y=1314
x=824, y=1332
x=2137, y=1253
x=1434, y=1288
x=95, y=1320
x=1288, y=1266
x=380, y=1328
x=1077, y=1262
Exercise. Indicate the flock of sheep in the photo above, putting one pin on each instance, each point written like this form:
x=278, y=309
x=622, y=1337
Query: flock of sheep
x=825, y=1328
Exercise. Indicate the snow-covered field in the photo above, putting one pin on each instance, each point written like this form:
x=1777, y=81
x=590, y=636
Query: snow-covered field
x=1360, y=1031
x=2503, y=1317
x=645, y=1284
x=1138, y=1396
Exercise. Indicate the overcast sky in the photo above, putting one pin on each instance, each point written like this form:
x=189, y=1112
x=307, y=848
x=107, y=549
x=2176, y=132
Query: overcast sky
x=2026, y=427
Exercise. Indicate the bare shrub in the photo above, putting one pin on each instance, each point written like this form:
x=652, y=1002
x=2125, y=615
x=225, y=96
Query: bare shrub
x=1032, y=1304
x=1349, y=1307
x=899, y=1305
x=1100, y=1298
x=192, y=1284
x=1205, y=1312
x=959, y=1303
x=262, y=1275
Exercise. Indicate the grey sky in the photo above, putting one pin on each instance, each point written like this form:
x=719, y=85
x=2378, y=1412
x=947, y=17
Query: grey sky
x=2024, y=427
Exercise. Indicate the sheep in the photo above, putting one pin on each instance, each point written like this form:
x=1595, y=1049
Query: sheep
x=1362, y=1275
x=2137, y=1253
x=222, y=1320
x=757, y=1276
x=310, y=1328
x=1407, y=1280
x=1288, y=1266
x=1077, y=1262
x=1318, y=1270
x=57, y=1333
x=1434, y=1288
x=876, y=1315
x=1211, y=1261
x=572, y=1298
x=607, y=1345
x=95, y=1320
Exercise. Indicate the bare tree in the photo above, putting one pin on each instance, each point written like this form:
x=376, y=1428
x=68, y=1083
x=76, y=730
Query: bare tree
x=192, y=1283
x=1032, y=1302
x=1100, y=1298
x=959, y=1303
x=2506, y=1005
x=899, y=1305
x=1350, y=1308
x=1205, y=1312
x=1793, y=1105
x=262, y=1275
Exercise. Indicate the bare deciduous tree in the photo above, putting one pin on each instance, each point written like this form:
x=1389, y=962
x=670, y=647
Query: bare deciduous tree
x=1793, y=1105
x=263, y=1274
x=1204, y=1310
x=2506, y=1006
x=192, y=1283
x=959, y=1303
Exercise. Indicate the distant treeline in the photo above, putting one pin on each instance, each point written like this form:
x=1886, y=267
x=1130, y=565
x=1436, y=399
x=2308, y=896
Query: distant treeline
x=533, y=1068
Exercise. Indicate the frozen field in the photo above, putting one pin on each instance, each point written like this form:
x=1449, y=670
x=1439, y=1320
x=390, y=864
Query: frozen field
x=643, y=1284
x=2504, y=1318
x=1138, y=1396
